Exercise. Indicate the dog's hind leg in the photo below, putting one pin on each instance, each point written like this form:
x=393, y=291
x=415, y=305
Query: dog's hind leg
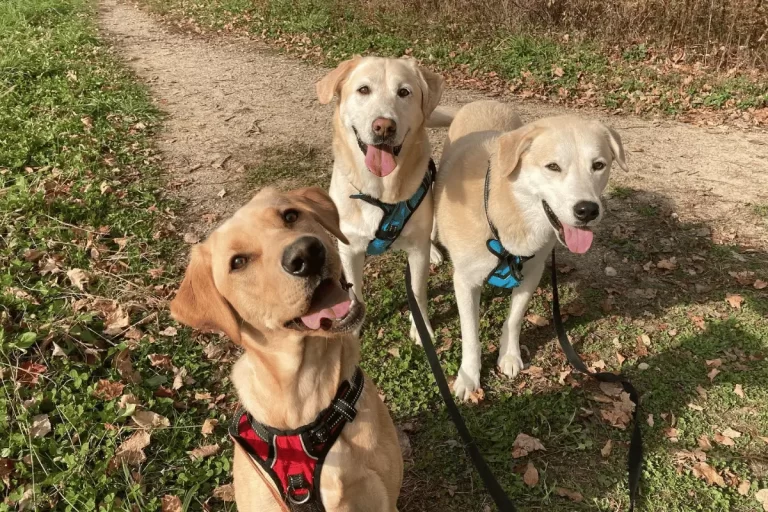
x=435, y=254
x=510, y=361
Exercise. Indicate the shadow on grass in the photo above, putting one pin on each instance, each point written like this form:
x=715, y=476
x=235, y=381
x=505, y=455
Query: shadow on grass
x=692, y=329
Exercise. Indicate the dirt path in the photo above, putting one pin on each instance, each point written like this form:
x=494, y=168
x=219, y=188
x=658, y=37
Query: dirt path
x=230, y=101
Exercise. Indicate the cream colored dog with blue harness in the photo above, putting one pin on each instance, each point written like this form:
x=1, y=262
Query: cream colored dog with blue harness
x=383, y=171
x=504, y=195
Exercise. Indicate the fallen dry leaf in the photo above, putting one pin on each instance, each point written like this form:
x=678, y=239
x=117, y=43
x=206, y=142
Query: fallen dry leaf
x=171, y=504
x=760, y=284
x=131, y=452
x=79, y=278
x=108, y=390
x=672, y=434
x=723, y=440
x=41, y=426
x=733, y=434
x=717, y=363
x=762, y=497
x=525, y=444
x=738, y=390
x=477, y=396
x=213, y=351
x=702, y=392
x=567, y=493
x=124, y=367
x=29, y=373
x=734, y=300
x=531, y=476
x=712, y=374
x=695, y=407
x=204, y=451
x=537, y=320
x=650, y=420
x=149, y=420
x=611, y=388
x=606, y=450
x=744, y=487
x=58, y=351
x=127, y=400
x=708, y=473
x=169, y=331
x=670, y=264
x=225, y=493
x=116, y=321
x=160, y=361
x=209, y=426
x=704, y=443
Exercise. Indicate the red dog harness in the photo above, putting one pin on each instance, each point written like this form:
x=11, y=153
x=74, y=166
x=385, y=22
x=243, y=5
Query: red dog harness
x=294, y=459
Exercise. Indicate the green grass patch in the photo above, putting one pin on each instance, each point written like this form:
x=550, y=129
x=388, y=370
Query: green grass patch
x=85, y=240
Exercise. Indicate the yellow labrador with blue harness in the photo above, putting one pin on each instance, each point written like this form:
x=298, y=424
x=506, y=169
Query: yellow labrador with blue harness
x=383, y=171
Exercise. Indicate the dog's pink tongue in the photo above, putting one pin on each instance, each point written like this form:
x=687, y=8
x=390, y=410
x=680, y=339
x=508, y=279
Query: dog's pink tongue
x=380, y=160
x=313, y=321
x=578, y=240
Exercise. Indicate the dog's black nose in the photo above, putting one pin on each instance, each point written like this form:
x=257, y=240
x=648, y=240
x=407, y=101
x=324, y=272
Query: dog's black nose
x=384, y=127
x=586, y=211
x=305, y=257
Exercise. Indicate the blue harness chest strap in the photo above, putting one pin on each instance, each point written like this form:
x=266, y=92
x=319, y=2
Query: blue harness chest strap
x=508, y=273
x=396, y=215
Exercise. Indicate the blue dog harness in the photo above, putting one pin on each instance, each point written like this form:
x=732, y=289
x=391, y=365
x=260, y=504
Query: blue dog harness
x=396, y=215
x=509, y=272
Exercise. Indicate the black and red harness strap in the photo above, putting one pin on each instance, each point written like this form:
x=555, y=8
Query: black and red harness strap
x=294, y=459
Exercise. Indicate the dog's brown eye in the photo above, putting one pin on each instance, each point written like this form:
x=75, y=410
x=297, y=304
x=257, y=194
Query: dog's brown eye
x=403, y=92
x=553, y=167
x=364, y=90
x=598, y=166
x=290, y=216
x=237, y=262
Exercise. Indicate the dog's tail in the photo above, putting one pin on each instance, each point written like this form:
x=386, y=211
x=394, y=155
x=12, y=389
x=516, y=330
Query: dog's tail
x=441, y=117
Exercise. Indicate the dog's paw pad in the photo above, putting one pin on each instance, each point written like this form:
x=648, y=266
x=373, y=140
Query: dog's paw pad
x=510, y=365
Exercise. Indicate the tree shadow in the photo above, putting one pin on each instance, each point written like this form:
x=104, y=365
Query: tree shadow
x=663, y=305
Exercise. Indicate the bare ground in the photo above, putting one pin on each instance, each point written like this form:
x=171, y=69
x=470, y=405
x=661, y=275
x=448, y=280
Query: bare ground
x=229, y=101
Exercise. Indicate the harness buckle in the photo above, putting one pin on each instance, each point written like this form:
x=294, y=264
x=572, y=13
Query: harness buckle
x=297, y=483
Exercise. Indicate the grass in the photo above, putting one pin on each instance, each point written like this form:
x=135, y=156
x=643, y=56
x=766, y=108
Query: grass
x=80, y=188
x=583, y=71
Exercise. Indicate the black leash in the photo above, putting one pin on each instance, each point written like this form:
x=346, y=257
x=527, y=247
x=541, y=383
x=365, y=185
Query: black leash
x=635, y=457
x=502, y=501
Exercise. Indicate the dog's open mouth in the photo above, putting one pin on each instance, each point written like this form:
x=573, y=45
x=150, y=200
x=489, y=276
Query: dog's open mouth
x=379, y=158
x=576, y=239
x=331, y=309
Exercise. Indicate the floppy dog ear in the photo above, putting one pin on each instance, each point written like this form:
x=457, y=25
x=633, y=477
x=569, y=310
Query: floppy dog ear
x=198, y=303
x=512, y=146
x=331, y=83
x=319, y=204
x=617, y=148
x=431, y=90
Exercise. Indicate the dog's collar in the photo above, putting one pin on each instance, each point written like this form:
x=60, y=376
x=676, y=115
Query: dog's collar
x=293, y=459
x=396, y=215
x=508, y=273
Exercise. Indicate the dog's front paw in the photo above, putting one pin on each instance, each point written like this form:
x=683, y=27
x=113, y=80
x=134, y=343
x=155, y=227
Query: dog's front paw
x=466, y=384
x=510, y=365
x=435, y=255
x=415, y=333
